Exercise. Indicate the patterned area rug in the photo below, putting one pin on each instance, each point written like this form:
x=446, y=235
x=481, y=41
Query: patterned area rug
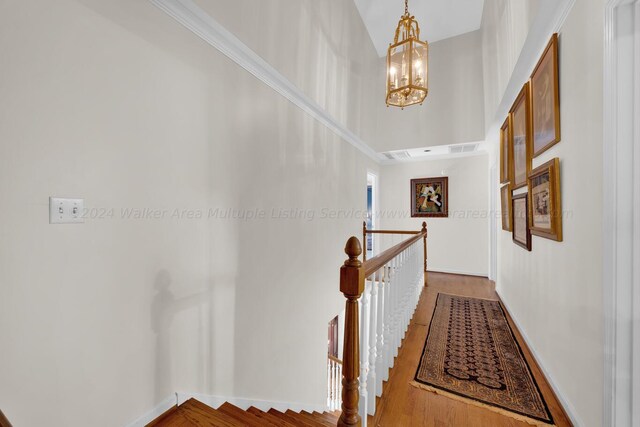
x=471, y=354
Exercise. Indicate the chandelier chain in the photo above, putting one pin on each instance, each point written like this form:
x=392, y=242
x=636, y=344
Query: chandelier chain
x=406, y=7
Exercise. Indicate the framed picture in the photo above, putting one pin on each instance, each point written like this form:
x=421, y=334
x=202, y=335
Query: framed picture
x=505, y=197
x=545, y=99
x=430, y=197
x=506, y=159
x=521, y=232
x=520, y=120
x=545, y=206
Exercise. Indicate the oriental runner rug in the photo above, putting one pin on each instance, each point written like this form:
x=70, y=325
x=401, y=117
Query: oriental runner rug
x=471, y=354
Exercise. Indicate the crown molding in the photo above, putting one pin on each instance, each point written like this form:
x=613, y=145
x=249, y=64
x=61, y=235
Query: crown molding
x=192, y=17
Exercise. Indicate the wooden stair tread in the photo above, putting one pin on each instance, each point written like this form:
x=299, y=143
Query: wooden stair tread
x=290, y=419
x=247, y=418
x=194, y=413
x=319, y=420
x=204, y=415
x=269, y=417
x=308, y=420
x=327, y=416
x=174, y=417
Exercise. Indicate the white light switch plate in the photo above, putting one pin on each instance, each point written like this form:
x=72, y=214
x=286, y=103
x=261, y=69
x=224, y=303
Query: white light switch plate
x=66, y=211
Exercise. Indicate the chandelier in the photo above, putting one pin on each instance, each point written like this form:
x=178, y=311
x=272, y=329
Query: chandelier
x=407, y=64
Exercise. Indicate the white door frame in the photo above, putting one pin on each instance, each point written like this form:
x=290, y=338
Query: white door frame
x=636, y=229
x=621, y=224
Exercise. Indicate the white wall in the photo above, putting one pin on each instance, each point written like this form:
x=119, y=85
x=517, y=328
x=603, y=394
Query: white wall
x=505, y=27
x=555, y=291
x=115, y=102
x=459, y=243
x=320, y=46
x=454, y=109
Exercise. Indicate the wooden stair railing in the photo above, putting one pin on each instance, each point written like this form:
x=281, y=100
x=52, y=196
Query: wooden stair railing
x=388, y=287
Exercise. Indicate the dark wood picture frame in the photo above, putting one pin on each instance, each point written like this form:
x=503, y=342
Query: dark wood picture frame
x=518, y=199
x=505, y=201
x=506, y=154
x=523, y=153
x=441, y=181
x=541, y=82
x=544, y=189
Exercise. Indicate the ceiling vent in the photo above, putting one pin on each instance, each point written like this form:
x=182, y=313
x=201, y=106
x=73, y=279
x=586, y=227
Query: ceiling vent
x=465, y=148
x=397, y=155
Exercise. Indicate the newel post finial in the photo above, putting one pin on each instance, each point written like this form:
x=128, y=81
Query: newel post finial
x=353, y=251
x=424, y=226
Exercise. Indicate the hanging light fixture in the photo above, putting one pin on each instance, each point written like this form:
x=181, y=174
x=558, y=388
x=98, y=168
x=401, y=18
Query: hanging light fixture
x=407, y=64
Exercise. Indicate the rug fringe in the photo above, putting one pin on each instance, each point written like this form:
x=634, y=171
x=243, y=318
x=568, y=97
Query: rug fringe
x=474, y=402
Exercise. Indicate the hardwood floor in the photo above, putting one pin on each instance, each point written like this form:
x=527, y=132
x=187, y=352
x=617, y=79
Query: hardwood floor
x=404, y=405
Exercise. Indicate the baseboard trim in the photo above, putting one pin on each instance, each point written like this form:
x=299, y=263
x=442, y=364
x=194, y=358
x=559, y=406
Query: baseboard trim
x=242, y=403
x=458, y=272
x=154, y=413
x=568, y=408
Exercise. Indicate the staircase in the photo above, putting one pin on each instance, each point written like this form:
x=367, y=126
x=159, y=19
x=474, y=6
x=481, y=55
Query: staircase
x=195, y=413
x=381, y=296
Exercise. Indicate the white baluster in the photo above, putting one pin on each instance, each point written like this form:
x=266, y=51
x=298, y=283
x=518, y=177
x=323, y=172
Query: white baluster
x=337, y=400
x=339, y=386
x=373, y=329
x=380, y=333
x=329, y=383
x=364, y=345
x=403, y=305
x=394, y=309
x=397, y=304
x=388, y=320
x=407, y=292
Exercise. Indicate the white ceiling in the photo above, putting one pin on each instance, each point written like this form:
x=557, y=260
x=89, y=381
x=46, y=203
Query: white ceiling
x=438, y=19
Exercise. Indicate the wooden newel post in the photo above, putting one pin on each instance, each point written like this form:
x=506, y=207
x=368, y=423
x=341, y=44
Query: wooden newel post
x=352, y=286
x=424, y=239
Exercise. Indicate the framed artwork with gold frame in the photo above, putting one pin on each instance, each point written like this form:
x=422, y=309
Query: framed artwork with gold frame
x=545, y=201
x=505, y=199
x=520, y=125
x=545, y=100
x=506, y=158
x=521, y=234
x=430, y=197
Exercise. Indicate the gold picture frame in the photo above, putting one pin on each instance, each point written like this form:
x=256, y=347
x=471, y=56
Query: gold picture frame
x=545, y=100
x=505, y=211
x=521, y=234
x=506, y=157
x=545, y=201
x=430, y=197
x=520, y=125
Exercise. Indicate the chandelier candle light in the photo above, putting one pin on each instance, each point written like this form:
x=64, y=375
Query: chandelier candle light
x=407, y=64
